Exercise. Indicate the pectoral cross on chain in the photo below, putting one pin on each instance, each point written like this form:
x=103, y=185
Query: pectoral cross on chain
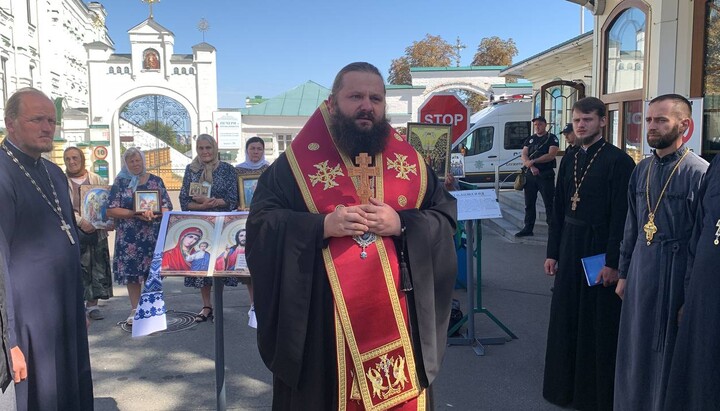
x=575, y=199
x=717, y=233
x=650, y=228
x=66, y=227
x=364, y=173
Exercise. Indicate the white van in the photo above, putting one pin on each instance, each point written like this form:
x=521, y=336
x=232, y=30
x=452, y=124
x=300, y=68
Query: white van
x=495, y=137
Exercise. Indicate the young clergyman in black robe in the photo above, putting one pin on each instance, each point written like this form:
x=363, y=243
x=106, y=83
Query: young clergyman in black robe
x=43, y=261
x=588, y=219
x=653, y=255
x=694, y=382
x=323, y=289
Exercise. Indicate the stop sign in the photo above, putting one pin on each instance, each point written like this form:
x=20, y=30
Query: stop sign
x=445, y=108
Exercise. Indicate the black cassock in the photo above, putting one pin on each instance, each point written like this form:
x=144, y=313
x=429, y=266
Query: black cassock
x=46, y=285
x=293, y=300
x=583, y=329
x=694, y=382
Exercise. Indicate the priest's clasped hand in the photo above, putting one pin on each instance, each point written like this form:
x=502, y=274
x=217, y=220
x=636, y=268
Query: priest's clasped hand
x=345, y=221
x=382, y=219
x=376, y=217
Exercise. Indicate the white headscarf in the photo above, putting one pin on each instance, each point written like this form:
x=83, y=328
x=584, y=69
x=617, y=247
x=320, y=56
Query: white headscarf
x=253, y=165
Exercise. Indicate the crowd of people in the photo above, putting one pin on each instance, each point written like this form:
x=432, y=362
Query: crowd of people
x=345, y=284
x=46, y=238
x=631, y=336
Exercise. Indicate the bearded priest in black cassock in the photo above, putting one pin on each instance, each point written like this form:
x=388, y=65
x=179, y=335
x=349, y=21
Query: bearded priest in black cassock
x=588, y=219
x=334, y=324
x=653, y=255
x=43, y=262
x=694, y=380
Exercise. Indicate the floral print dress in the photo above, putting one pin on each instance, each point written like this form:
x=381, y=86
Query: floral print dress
x=134, y=239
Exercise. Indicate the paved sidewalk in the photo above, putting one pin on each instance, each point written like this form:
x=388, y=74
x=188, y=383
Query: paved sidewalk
x=175, y=371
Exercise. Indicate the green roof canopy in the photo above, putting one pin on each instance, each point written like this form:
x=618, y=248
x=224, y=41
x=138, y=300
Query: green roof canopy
x=300, y=101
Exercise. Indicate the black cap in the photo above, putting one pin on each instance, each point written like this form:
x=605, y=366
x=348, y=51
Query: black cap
x=568, y=129
x=539, y=118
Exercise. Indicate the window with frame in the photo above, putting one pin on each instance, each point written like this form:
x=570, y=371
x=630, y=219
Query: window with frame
x=515, y=134
x=624, y=50
x=29, y=12
x=480, y=141
x=711, y=81
x=283, y=141
x=624, y=38
x=3, y=80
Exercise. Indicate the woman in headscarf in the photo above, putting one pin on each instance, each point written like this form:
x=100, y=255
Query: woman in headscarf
x=94, y=250
x=254, y=163
x=135, y=234
x=207, y=171
x=176, y=258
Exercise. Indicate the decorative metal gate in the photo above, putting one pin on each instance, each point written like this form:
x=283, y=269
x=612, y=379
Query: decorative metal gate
x=168, y=121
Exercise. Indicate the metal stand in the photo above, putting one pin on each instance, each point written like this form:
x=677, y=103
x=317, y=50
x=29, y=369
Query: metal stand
x=473, y=249
x=219, y=343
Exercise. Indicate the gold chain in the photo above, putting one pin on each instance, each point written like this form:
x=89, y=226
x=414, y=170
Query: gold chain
x=650, y=228
x=58, y=209
x=576, y=197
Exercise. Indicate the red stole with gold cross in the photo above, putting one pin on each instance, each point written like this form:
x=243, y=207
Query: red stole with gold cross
x=376, y=363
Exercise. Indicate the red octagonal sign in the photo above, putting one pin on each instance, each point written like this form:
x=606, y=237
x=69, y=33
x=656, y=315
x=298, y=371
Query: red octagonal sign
x=446, y=108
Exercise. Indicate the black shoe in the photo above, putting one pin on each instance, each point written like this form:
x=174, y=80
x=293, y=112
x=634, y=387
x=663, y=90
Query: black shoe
x=523, y=233
x=201, y=318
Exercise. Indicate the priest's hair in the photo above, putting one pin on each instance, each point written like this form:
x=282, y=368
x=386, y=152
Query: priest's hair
x=357, y=66
x=681, y=106
x=12, y=107
x=589, y=105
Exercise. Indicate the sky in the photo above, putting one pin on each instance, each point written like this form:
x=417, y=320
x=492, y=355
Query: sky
x=265, y=48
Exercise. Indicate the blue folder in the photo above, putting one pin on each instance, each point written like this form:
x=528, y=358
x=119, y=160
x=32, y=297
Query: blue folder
x=592, y=266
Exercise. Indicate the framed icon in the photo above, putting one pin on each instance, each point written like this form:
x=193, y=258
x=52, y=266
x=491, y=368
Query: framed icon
x=432, y=141
x=199, y=189
x=203, y=244
x=247, y=183
x=457, y=165
x=94, y=201
x=145, y=200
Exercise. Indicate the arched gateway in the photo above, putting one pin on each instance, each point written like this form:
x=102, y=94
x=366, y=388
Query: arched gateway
x=151, y=69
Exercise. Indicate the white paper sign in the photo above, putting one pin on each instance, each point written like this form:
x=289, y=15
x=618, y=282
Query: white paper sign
x=477, y=204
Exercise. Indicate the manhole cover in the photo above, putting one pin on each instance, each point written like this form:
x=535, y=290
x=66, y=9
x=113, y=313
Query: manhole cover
x=176, y=321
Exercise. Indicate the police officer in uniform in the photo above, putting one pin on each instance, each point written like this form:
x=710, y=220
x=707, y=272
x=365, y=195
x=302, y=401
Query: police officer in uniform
x=538, y=156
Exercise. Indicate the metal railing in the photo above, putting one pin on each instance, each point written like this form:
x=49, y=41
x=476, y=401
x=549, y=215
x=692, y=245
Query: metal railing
x=498, y=184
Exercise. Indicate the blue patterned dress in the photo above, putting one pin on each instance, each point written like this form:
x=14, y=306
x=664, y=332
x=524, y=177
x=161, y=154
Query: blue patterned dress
x=134, y=239
x=225, y=186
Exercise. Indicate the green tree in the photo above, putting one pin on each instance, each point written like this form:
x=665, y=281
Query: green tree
x=475, y=101
x=165, y=133
x=712, y=52
x=494, y=51
x=432, y=51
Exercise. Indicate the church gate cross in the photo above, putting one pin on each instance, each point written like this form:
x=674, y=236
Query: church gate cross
x=364, y=173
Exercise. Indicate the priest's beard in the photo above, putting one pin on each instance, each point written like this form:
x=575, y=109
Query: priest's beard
x=585, y=141
x=660, y=141
x=353, y=140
